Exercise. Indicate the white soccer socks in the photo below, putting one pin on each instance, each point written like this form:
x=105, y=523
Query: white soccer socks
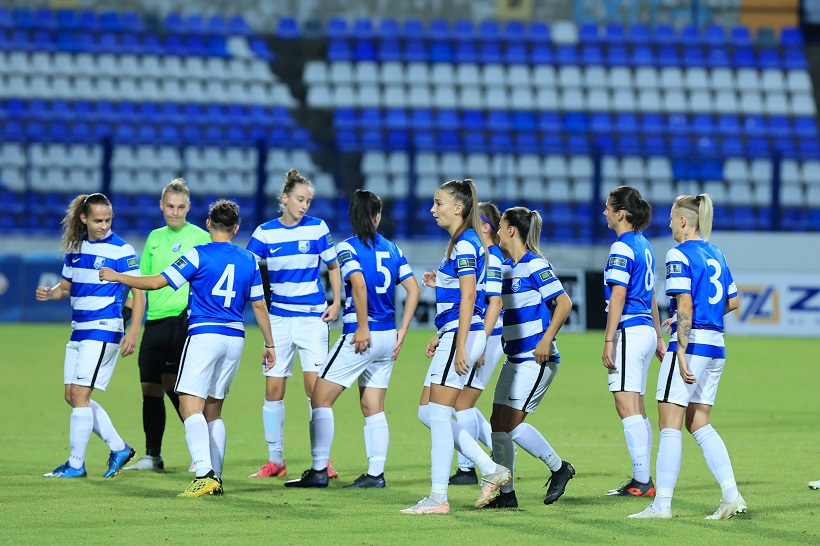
x=273, y=419
x=534, y=443
x=104, y=428
x=199, y=443
x=636, y=441
x=321, y=436
x=667, y=468
x=79, y=431
x=717, y=459
x=376, y=441
x=217, y=440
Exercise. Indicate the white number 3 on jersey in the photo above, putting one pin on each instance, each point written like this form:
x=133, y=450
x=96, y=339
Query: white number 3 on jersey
x=224, y=286
x=715, y=280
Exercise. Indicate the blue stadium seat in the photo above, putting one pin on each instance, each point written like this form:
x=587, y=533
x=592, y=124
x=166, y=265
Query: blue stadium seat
x=438, y=29
x=702, y=124
x=195, y=24
x=643, y=56
x=502, y=142
x=791, y=37
x=413, y=29
x=795, y=59
x=463, y=30
x=758, y=147
x=338, y=50
x=287, y=28
x=441, y=52
x=805, y=127
x=693, y=56
x=715, y=36
x=604, y=143
x=576, y=122
x=655, y=146
x=448, y=141
x=629, y=145
x=421, y=119
x=524, y=121
x=346, y=140
x=364, y=50
x=516, y=53
x=566, y=55
x=219, y=26
x=615, y=34
x=639, y=35
x=472, y=120
x=498, y=120
x=396, y=119
x=552, y=143
x=744, y=57
x=447, y=120
x=336, y=28
x=372, y=139
x=617, y=56
x=549, y=122
x=741, y=37
x=475, y=142
x=591, y=55
x=174, y=23
x=664, y=35
x=653, y=124
x=780, y=126
x=23, y=18
x=527, y=143
x=769, y=58
x=398, y=140
x=588, y=33
x=514, y=31
x=489, y=52
x=466, y=52
x=362, y=29
x=600, y=122
x=668, y=56
x=388, y=29
x=389, y=50
x=809, y=149
x=415, y=52
x=238, y=25
x=578, y=143
x=370, y=118
x=542, y=54
x=626, y=123
x=424, y=141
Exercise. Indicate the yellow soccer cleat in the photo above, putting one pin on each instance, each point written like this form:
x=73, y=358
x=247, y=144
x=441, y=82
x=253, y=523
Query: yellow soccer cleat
x=208, y=485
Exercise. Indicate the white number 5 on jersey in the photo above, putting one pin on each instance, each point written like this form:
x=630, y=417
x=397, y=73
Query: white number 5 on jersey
x=224, y=286
x=388, y=278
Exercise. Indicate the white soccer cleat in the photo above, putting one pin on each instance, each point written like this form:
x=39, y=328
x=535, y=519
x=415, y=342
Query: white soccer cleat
x=428, y=506
x=814, y=485
x=147, y=463
x=728, y=509
x=650, y=513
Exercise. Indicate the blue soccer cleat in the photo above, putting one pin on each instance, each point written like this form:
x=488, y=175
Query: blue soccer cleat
x=118, y=459
x=66, y=471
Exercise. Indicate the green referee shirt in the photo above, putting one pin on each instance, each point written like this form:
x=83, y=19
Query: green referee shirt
x=162, y=248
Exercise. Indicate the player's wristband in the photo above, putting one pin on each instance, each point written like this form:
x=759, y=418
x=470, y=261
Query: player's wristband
x=268, y=346
x=609, y=341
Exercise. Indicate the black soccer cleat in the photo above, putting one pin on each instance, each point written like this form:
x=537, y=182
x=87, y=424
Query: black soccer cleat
x=310, y=478
x=558, y=482
x=503, y=500
x=464, y=477
x=634, y=488
x=366, y=481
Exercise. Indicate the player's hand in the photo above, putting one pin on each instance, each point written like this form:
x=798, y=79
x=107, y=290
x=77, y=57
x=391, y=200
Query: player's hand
x=660, y=350
x=543, y=350
x=432, y=345
x=361, y=339
x=331, y=313
x=43, y=293
x=428, y=279
x=687, y=376
x=108, y=274
x=608, y=357
x=667, y=325
x=128, y=343
x=462, y=365
x=480, y=361
x=269, y=358
x=399, y=342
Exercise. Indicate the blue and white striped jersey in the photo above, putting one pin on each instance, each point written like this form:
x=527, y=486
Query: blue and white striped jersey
x=493, y=285
x=383, y=266
x=467, y=258
x=97, y=305
x=223, y=277
x=292, y=254
x=527, y=286
x=699, y=268
x=631, y=264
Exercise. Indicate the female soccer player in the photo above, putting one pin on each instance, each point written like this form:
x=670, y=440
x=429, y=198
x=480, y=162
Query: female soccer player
x=293, y=245
x=456, y=347
x=467, y=414
x=96, y=326
x=371, y=267
x=702, y=291
x=633, y=330
x=223, y=278
x=529, y=285
x=166, y=323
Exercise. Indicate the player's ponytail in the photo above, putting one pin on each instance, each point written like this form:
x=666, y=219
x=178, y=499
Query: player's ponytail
x=224, y=215
x=292, y=178
x=489, y=214
x=74, y=230
x=464, y=193
x=698, y=209
x=628, y=199
x=706, y=214
x=364, y=207
x=527, y=224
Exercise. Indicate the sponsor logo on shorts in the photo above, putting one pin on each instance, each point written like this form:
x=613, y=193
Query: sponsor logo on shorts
x=673, y=269
x=617, y=262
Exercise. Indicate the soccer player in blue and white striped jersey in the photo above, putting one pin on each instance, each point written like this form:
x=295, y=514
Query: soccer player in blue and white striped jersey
x=529, y=287
x=371, y=267
x=293, y=247
x=456, y=347
x=223, y=278
x=467, y=414
x=703, y=291
x=633, y=330
x=96, y=326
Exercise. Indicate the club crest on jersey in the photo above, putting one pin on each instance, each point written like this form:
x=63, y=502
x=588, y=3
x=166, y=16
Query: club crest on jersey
x=304, y=246
x=176, y=247
x=181, y=262
x=516, y=284
x=673, y=269
x=546, y=275
x=617, y=262
x=99, y=261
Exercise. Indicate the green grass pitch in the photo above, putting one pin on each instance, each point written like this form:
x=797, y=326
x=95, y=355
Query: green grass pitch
x=767, y=413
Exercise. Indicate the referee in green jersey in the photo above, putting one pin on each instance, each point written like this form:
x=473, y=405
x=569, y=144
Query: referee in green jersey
x=166, y=323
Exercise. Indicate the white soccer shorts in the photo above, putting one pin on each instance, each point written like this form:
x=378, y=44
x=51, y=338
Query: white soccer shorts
x=307, y=335
x=522, y=385
x=442, y=371
x=707, y=371
x=479, y=378
x=208, y=365
x=90, y=363
x=372, y=368
x=634, y=348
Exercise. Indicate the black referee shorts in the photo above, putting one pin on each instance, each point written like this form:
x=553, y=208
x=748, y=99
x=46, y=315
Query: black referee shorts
x=161, y=347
